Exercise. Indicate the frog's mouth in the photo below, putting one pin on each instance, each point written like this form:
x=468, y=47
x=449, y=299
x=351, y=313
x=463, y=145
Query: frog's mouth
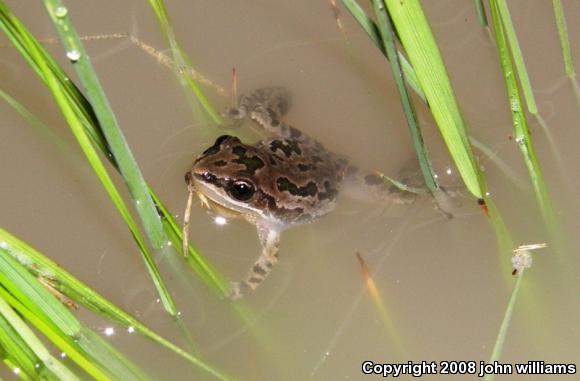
x=214, y=206
x=212, y=198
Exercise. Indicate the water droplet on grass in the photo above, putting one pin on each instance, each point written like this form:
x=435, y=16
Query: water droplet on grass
x=60, y=12
x=73, y=55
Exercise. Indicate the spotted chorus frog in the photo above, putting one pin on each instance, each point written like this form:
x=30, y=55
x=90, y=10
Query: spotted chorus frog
x=284, y=180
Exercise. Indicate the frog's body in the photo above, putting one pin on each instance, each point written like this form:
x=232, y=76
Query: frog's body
x=284, y=180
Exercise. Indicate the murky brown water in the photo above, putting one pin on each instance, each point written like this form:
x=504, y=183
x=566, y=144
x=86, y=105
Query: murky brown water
x=441, y=280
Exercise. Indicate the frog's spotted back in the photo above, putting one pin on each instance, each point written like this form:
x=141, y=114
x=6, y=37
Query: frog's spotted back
x=286, y=179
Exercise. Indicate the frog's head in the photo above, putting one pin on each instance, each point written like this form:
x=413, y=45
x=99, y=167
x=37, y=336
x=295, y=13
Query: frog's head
x=228, y=174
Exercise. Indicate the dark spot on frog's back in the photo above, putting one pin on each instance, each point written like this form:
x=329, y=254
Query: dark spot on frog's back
x=220, y=163
x=239, y=150
x=288, y=147
x=285, y=185
x=252, y=163
x=306, y=167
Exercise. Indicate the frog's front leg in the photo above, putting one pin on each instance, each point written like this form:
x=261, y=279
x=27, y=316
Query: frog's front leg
x=270, y=240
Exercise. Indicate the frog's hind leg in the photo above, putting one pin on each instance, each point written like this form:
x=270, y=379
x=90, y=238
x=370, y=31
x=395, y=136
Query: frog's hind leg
x=266, y=106
x=270, y=240
x=373, y=187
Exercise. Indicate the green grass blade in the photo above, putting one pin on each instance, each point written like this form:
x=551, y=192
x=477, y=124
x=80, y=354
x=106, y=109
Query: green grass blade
x=421, y=48
x=181, y=60
x=481, y=16
x=32, y=300
x=34, y=344
x=57, y=337
x=116, y=141
x=69, y=106
x=518, y=56
x=372, y=30
x=196, y=262
x=564, y=41
x=14, y=30
x=521, y=132
x=388, y=40
x=64, y=282
x=16, y=352
x=500, y=340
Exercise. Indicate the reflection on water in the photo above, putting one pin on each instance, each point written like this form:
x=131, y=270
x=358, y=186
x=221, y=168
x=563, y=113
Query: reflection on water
x=441, y=280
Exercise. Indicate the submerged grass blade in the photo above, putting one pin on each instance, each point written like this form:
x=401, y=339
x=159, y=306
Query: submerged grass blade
x=518, y=60
x=380, y=304
x=372, y=30
x=181, y=60
x=421, y=48
x=77, y=118
x=564, y=40
x=65, y=283
x=500, y=340
x=521, y=132
x=108, y=122
x=388, y=41
x=481, y=16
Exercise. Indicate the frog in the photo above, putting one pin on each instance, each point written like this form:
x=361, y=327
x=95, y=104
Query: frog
x=284, y=180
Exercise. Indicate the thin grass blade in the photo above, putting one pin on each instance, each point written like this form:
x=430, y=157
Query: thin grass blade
x=521, y=132
x=372, y=30
x=181, y=61
x=84, y=110
x=17, y=354
x=34, y=302
x=564, y=40
x=205, y=270
x=388, y=41
x=417, y=39
x=501, y=336
x=516, y=51
x=65, y=283
x=117, y=143
x=76, y=117
x=34, y=345
x=481, y=16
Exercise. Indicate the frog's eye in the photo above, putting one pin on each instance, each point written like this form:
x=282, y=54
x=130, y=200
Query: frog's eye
x=241, y=190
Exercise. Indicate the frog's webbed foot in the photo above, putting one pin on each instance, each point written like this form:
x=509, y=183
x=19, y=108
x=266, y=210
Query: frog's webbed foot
x=270, y=240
